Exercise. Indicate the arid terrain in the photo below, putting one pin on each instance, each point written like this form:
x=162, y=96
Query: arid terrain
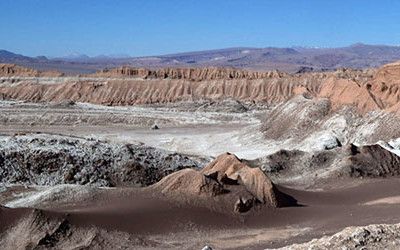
x=190, y=157
x=290, y=59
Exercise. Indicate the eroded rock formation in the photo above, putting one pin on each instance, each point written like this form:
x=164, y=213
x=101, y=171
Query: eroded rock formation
x=366, y=90
x=42, y=159
x=243, y=186
x=15, y=70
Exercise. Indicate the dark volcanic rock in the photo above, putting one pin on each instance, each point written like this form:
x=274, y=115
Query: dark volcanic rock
x=42, y=159
x=226, y=105
x=372, y=161
x=154, y=127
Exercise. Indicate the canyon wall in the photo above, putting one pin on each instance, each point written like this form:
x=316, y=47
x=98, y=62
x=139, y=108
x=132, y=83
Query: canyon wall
x=366, y=90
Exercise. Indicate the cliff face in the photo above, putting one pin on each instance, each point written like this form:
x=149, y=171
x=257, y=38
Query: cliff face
x=194, y=74
x=385, y=86
x=366, y=90
x=131, y=91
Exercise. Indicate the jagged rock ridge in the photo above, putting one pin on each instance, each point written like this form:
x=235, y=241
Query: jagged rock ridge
x=42, y=159
x=195, y=74
x=365, y=90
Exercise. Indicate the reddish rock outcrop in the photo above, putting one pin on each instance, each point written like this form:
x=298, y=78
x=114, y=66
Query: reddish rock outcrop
x=365, y=90
x=230, y=179
x=15, y=70
x=193, y=74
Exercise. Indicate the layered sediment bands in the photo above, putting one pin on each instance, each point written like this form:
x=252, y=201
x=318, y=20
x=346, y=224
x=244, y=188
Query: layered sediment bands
x=366, y=90
x=194, y=74
x=296, y=118
x=134, y=91
x=390, y=73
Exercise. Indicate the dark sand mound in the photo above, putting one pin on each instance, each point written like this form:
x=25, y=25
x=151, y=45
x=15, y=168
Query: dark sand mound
x=286, y=164
x=37, y=229
x=141, y=218
x=33, y=230
x=280, y=161
x=322, y=168
x=9, y=217
x=372, y=161
x=226, y=105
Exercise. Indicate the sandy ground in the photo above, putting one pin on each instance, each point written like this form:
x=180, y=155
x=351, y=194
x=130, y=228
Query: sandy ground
x=190, y=226
x=204, y=133
x=386, y=200
x=197, y=133
x=191, y=132
x=203, y=140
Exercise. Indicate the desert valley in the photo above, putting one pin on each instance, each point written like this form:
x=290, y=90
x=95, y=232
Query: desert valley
x=200, y=157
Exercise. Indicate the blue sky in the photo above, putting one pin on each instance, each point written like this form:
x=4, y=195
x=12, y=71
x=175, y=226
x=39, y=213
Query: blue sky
x=151, y=27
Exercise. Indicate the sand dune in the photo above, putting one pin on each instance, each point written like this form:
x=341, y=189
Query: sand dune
x=142, y=218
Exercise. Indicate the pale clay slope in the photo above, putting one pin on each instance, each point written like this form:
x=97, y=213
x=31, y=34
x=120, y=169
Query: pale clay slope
x=213, y=133
x=204, y=133
x=238, y=133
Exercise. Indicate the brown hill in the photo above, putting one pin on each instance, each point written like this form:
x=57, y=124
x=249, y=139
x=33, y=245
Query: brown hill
x=385, y=86
x=372, y=161
x=343, y=92
x=15, y=70
x=228, y=178
x=227, y=168
x=190, y=182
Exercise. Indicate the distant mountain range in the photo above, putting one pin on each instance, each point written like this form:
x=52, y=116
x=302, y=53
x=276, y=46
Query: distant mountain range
x=7, y=56
x=285, y=59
